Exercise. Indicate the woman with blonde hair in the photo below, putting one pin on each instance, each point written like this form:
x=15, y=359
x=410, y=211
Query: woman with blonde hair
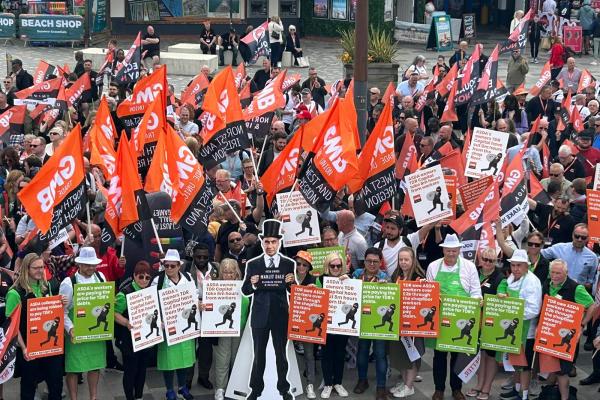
x=276, y=40
x=418, y=66
x=516, y=20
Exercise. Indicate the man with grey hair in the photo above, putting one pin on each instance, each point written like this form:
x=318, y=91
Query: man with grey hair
x=580, y=104
x=573, y=167
x=593, y=106
x=570, y=76
x=557, y=174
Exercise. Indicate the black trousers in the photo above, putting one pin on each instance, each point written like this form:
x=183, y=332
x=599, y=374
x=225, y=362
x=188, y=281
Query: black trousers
x=440, y=370
x=49, y=369
x=535, y=47
x=333, y=359
x=260, y=337
x=134, y=371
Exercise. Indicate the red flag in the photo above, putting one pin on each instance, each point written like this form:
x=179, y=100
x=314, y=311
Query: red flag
x=240, y=75
x=44, y=71
x=545, y=160
x=485, y=209
x=542, y=80
x=280, y=175
x=9, y=343
x=586, y=81
x=576, y=119
x=536, y=190
x=514, y=36
x=453, y=162
x=11, y=122
x=194, y=93
x=43, y=93
x=407, y=160
x=445, y=86
x=390, y=92
x=449, y=113
x=466, y=146
x=81, y=85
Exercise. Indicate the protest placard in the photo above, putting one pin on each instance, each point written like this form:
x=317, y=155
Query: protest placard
x=144, y=317
x=319, y=253
x=345, y=298
x=486, y=153
x=470, y=192
x=503, y=322
x=179, y=309
x=559, y=328
x=427, y=190
x=45, y=327
x=309, y=306
x=93, y=311
x=593, y=213
x=379, y=312
x=452, y=188
x=222, y=315
x=419, y=308
x=459, y=324
x=300, y=220
x=597, y=177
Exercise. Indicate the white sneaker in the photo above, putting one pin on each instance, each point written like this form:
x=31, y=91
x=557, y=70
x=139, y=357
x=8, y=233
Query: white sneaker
x=399, y=386
x=405, y=392
x=326, y=393
x=508, y=383
x=310, y=392
x=220, y=394
x=594, y=63
x=418, y=378
x=341, y=391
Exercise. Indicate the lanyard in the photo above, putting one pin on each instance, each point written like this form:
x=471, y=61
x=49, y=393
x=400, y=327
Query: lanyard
x=543, y=106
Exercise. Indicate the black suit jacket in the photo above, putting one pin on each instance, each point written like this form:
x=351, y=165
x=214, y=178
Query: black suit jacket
x=266, y=160
x=23, y=80
x=269, y=306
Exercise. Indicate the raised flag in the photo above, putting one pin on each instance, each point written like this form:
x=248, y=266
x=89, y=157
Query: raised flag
x=290, y=80
x=389, y=93
x=280, y=175
x=468, y=78
x=43, y=93
x=147, y=89
x=485, y=209
x=422, y=101
x=239, y=75
x=269, y=99
x=11, y=122
x=74, y=94
x=105, y=123
x=445, y=86
x=58, y=110
x=586, y=81
x=518, y=37
x=56, y=195
x=8, y=344
x=576, y=119
x=105, y=67
x=407, y=160
x=129, y=70
x=126, y=185
x=194, y=93
x=258, y=42
x=536, y=190
x=513, y=204
x=44, y=71
x=224, y=130
x=542, y=80
x=489, y=87
x=453, y=163
x=449, y=113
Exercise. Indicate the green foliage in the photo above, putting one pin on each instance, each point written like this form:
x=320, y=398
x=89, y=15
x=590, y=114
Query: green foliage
x=382, y=47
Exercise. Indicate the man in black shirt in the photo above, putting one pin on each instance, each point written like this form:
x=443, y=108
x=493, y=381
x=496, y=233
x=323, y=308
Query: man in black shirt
x=23, y=79
x=151, y=45
x=262, y=75
x=554, y=220
x=208, y=39
x=229, y=41
x=316, y=86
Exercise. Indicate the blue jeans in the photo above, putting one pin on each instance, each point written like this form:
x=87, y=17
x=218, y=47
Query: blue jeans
x=381, y=364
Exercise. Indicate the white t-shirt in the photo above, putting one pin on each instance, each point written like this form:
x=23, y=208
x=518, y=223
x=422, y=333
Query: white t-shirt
x=390, y=254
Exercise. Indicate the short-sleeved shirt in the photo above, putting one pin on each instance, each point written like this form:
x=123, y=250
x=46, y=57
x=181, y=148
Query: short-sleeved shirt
x=154, y=48
x=208, y=35
x=581, y=295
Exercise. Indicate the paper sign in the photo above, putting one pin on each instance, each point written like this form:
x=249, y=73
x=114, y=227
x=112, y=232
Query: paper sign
x=380, y=311
x=597, y=178
x=222, y=313
x=45, y=327
x=428, y=195
x=419, y=305
x=593, y=213
x=486, y=153
x=470, y=192
x=459, y=324
x=180, y=314
x=559, y=328
x=93, y=311
x=62, y=236
x=307, y=322
x=144, y=315
x=318, y=254
x=344, y=305
x=451, y=187
x=300, y=220
x=503, y=322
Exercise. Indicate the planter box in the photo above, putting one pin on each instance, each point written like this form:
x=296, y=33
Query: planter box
x=378, y=74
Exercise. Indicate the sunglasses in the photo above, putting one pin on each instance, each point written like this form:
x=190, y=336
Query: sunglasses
x=555, y=175
x=543, y=129
x=35, y=145
x=235, y=240
x=372, y=93
x=488, y=260
x=533, y=244
x=144, y=277
x=171, y=266
x=580, y=237
x=335, y=266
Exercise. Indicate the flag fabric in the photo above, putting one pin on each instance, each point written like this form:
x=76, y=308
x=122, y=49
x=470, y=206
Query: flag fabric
x=8, y=344
x=125, y=184
x=489, y=87
x=485, y=209
x=132, y=109
x=58, y=110
x=258, y=42
x=44, y=71
x=269, y=99
x=152, y=123
x=43, y=93
x=518, y=37
x=194, y=93
x=390, y=92
x=239, y=75
x=576, y=119
x=129, y=70
x=290, y=80
x=56, y=195
x=422, y=100
x=280, y=175
x=468, y=78
x=223, y=127
x=445, y=86
x=105, y=123
x=105, y=67
x=453, y=162
x=334, y=162
x=75, y=93
x=407, y=160
x=12, y=122
x=449, y=113
x=542, y=80
x=536, y=190
x=513, y=204
x=586, y=81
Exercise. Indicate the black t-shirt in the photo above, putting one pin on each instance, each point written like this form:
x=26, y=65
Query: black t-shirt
x=208, y=35
x=558, y=230
x=151, y=49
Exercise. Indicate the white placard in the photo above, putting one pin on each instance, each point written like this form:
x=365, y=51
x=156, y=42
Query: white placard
x=300, y=220
x=144, y=316
x=344, y=305
x=597, y=178
x=428, y=195
x=180, y=313
x=486, y=153
x=222, y=301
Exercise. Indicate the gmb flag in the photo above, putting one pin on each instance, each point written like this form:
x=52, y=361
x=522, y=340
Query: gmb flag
x=258, y=42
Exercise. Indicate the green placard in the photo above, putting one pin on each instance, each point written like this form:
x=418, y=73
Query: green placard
x=52, y=28
x=459, y=324
x=502, y=328
x=93, y=311
x=380, y=313
x=8, y=26
x=319, y=255
x=443, y=32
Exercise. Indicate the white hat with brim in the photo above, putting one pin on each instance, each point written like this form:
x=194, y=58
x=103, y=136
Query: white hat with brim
x=172, y=255
x=451, y=241
x=87, y=256
x=519, y=256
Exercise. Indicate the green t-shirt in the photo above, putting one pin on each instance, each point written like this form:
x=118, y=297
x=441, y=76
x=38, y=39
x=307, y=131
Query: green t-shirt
x=581, y=295
x=121, y=299
x=13, y=299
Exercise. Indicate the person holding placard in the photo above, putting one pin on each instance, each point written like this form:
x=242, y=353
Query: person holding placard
x=525, y=285
x=178, y=358
x=408, y=270
x=372, y=273
x=490, y=277
x=134, y=363
x=30, y=285
x=457, y=276
x=334, y=352
x=87, y=357
x=561, y=286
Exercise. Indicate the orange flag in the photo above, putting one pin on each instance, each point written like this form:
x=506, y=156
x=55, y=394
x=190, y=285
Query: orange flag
x=150, y=127
x=105, y=122
x=449, y=113
x=128, y=181
x=146, y=90
x=576, y=119
x=542, y=80
x=269, y=99
x=280, y=175
x=193, y=94
x=57, y=192
x=586, y=81
x=102, y=152
x=389, y=93
x=240, y=75
x=407, y=160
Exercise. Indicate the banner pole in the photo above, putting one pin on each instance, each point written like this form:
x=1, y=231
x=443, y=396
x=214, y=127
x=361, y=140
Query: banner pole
x=160, y=248
x=89, y=220
x=231, y=208
x=287, y=200
x=262, y=151
x=123, y=247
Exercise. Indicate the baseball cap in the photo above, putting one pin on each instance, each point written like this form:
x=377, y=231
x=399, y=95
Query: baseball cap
x=395, y=219
x=305, y=91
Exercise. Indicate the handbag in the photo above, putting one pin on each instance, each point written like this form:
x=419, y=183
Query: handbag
x=546, y=44
x=275, y=35
x=303, y=62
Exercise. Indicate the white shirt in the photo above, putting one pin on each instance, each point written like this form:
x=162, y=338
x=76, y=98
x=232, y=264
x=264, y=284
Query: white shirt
x=549, y=6
x=66, y=289
x=169, y=283
x=530, y=289
x=390, y=254
x=469, y=278
x=356, y=245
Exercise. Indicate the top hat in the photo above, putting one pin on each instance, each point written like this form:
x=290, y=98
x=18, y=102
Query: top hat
x=271, y=228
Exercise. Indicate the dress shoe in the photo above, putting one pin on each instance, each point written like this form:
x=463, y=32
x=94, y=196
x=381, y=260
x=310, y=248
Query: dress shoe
x=253, y=396
x=287, y=396
x=457, y=395
x=590, y=380
x=204, y=382
x=361, y=386
x=381, y=394
x=588, y=346
x=438, y=395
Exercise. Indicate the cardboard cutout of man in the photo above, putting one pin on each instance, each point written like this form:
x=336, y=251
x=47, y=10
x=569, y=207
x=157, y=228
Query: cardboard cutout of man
x=268, y=280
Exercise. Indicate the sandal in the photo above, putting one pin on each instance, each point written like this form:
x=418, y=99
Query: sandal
x=483, y=396
x=473, y=393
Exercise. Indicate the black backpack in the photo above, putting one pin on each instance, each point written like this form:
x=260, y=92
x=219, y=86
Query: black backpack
x=551, y=392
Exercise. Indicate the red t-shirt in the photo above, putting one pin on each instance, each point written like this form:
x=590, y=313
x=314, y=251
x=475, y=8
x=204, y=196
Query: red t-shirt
x=589, y=159
x=110, y=265
x=556, y=55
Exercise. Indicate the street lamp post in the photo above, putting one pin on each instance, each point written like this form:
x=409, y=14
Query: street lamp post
x=360, y=66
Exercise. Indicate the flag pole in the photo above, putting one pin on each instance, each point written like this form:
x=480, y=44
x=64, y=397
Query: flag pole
x=231, y=208
x=89, y=219
x=123, y=247
x=262, y=151
x=287, y=200
x=160, y=248
x=595, y=353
